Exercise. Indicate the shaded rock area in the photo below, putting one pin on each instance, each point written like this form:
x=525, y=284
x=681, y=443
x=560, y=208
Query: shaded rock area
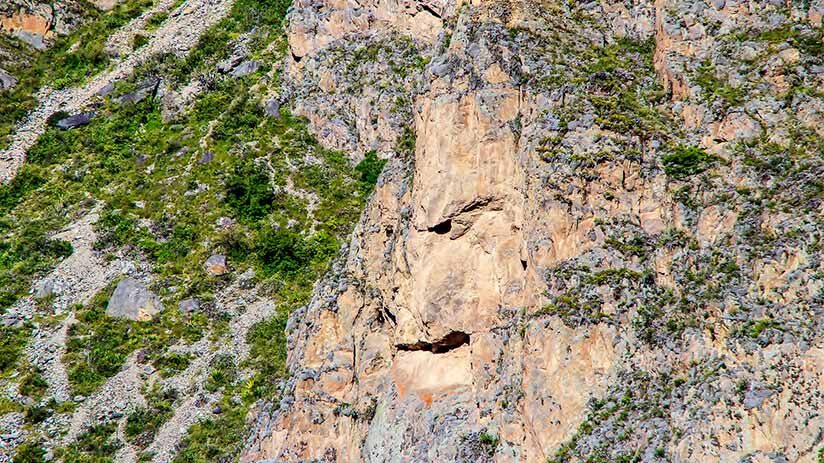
x=76, y=120
x=245, y=68
x=145, y=89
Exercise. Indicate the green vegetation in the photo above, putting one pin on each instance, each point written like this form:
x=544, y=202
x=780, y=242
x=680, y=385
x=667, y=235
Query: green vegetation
x=69, y=61
x=8, y=406
x=33, y=384
x=25, y=250
x=790, y=171
x=754, y=328
x=575, y=309
x=97, y=445
x=616, y=81
x=625, y=106
x=292, y=203
x=98, y=345
x=29, y=452
x=613, y=276
x=172, y=363
x=215, y=439
x=223, y=373
x=636, y=246
x=809, y=41
x=489, y=442
x=369, y=169
x=220, y=438
x=606, y=434
x=685, y=161
x=143, y=423
x=12, y=343
x=716, y=88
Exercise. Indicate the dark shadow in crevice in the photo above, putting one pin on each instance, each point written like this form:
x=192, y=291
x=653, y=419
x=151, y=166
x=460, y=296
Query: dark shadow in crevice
x=442, y=228
x=449, y=342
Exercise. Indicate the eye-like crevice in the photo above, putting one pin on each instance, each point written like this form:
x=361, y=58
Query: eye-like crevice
x=442, y=228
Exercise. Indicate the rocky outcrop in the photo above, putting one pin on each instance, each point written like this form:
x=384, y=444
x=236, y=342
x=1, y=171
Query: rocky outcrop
x=7, y=80
x=573, y=261
x=36, y=23
x=216, y=265
x=133, y=301
x=76, y=120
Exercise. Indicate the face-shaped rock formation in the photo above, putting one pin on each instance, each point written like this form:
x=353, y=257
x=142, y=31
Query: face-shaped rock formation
x=572, y=261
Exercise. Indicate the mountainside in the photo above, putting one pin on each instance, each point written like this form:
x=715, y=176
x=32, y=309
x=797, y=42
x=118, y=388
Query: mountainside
x=240, y=230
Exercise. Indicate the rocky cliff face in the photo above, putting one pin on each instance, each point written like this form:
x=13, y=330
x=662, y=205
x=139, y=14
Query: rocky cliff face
x=36, y=23
x=604, y=244
x=593, y=231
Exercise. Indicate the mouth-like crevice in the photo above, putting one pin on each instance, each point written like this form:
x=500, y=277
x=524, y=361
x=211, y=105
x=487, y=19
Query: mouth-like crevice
x=442, y=228
x=449, y=342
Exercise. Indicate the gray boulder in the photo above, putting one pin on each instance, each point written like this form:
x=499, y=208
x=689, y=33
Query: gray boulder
x=44, y=289
x=145, y=89
x=32, y=38
x=105, y=90
x=7, y=80
x=231, y=62
x=245, y=68
x=131, y=300
x=216, y=265
x=187, y=306
x=206, y=157
x=76, y=120
x=272, y=108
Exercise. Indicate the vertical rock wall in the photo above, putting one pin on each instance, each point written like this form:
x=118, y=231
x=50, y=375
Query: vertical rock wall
x=537, y=262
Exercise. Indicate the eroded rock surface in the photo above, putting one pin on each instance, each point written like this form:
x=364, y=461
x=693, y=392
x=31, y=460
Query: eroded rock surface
x=586, y=254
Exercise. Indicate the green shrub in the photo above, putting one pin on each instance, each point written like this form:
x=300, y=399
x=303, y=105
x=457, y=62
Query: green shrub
x=8, y=406
x=714, y=87
x=489, y=442
x=28, y=179
x=29, y=452
x=68, y=61
x=369, y=170
x=217, y=439
x=172, y=363
x=249, y=192
x=267, y=348
x=138, y=40
x=97, y=445
x=685, y=161
x=613, y=276
x=223, y=374
x=143, y=423
x=33, y=384
x=286, y=252
x=114, y=228
x=12, y=343
x=754, y=329
x=406, y=143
